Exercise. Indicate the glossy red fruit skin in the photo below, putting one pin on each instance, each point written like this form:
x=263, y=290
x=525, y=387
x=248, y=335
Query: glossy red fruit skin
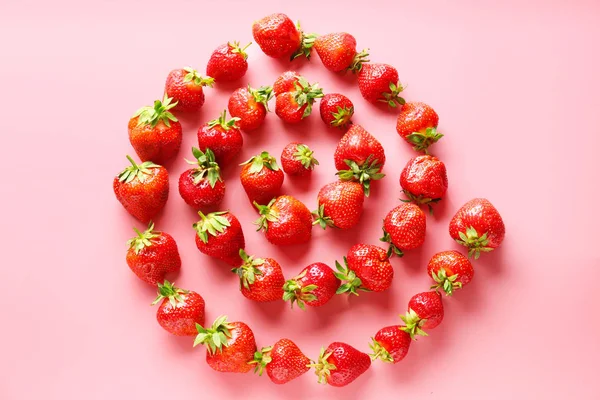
x=226, y=66
x=225, y=143
x=350, y=363
x=482, y=215
x=395, y=341
x=415, y=117
x=428, y=306
x=371, y=264
x=406, y=225
x=290, y=164
x=293, y=224
x=188, y=95
x=329, y=106
x=425, y=176
x=285, y=82
x=277, y=36
x=238, y=351
x=262, y=186
x=243, y=105
x=287, y=362
x=268, y=284
x=336, y=50
x=151, y=263
x=357, y=145
x=200, y=195
x=288, y=109
x=342, y=202
x=182, y=318
x=226, y=245
x=375, y=79
x=144, y=200
x=324, y=278
x=158, y=144
x=454, y=263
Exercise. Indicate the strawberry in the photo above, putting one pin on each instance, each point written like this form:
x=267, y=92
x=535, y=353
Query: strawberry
x=417, y=124
x=261, y=178
x=404, y=228
x=360, y=157
x=278, y=37
x=424, y=180
x=390, y=344
x=366, y=267
x=220, y=235
x=152, y=254
x=336, y=110
x=155, y=133
x=180, y=310
x=283, y=361
x=222, y=137
x=425, y=311
x=478, y=226
x=379, y=83
x=142, y=189
x=285, y=220
x=340, y=205
x=340, y=364
x=250, y=106
x=285, y=82
x=228, y=62
x=230, y=346
x=202, y=186
x=314, y=286
x=261, y=279
x=450, y=270
x=337, y=52
x=185, y=87
x=297, y=159
x=293, y=106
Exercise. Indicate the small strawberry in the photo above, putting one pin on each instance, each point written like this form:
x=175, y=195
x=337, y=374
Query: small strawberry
x=155, y=133
x=336, y=111
x=425, y=311
x=228, y=62
x=202, y=186
x=417, y=123
x=295, y=105
x=230, y=346
x=390, y=344
x=185, y=87
x=220, y=235
x=283, y=361
x=250, y=106
x=340, y=205
x=424, y=180
x=261, y=178
x=285, y=220
x=285, y=82
x=261, y=279
x=366, y=267
x=180, y=310
x=478, y=226
x=379, y=83
x=152, y=254
x=297, y=159
x=314, y=286
x=340, y=364
x=404, y=228
x=142, y=189
x=222, y=137
x=278, y=37
x=338, y=52
x=450, y=270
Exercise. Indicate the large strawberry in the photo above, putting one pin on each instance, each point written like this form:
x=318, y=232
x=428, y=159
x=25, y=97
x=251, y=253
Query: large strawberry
x=285, y=220
x=278, y=37
x=185, y=87
x=142, y=189
x=228, y=62
x=283, y=361
x=297, y=159
x=338, y=52
x=336, y=111
x=180, y=310
x=425, y=311
x=450, y=270
x=155, y=133
x=390, y=344
x=286, y=82
x=223, y=137
x=152, y=254
x=202, y=186
x=220, y=235
x=261, y=279
x=478, y=226
x=424, y=180
x=340, y=364
x=250, y=106
x=379, y=83
x=294, y=105
x=404, y=228
x=261, y=178
x=340, y=204
x=230, y=346
x=366, y=267
x=417, y=124
x=314, y=286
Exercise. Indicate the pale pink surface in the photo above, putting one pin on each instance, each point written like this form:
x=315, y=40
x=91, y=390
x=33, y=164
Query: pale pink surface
x=516, y=87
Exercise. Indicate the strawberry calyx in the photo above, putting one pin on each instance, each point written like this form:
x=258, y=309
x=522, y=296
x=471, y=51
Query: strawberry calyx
x=140, y=171
x=447, y=283
x=215, y=337
x=359, y=58
x=262, y=95
x=306, y=44
x=351, y=283
x=207, y=167
x=152, y=115
x=420, y=200
x=199, y=80
x=236, y=48
x=294, y=292
x=306, y=94
x=248, y=271
x=363, y=174
x=323, y=367
x=422, y=140
x=143, y=239
x=306, y=156
x=261, y=359
x=380, y=352
x=168, y=290
x=341, y=118
x=392, y=249
x=261, y=160
x=267, y=214
x=413, y=324
x=392, y=98
x=211, y=224
x=321, y=219
x=475, y=243
x=223, y=122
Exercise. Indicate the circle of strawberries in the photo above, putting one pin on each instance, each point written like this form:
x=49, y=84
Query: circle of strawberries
x=142, y=188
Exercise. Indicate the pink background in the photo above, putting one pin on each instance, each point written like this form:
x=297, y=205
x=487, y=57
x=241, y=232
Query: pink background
x=516, y=87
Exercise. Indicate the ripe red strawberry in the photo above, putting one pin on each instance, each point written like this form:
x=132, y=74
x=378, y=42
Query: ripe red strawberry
x=366, y=267
x=359, y=157
x=152, y=254
x=404, y=228
x=340, y=205
x=417, y=123
x=278, y=37
x=220, y=235
x=478, y=226
x=297, y=159
x=202, y=186
x=261, y=178
x=230, y=346
x=340, y=364
x=336, y=111
x=390, y=344
x=180, y=310
x=450, y=270
x=297, y=104
x=284, y=361
x=425, y=311
x=228, y=62
x=155, y=133
x=185, y=87
x=261, y=279
x=285, y=220
x=314, y=286
x=424, y=180
x=285, y=82
x=142, y=189
x=222, y=137
x=338, y=52
x=379, y=82
x=250, y=106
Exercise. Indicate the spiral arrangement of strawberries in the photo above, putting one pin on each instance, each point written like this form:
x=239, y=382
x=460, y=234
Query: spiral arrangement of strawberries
x=142, y=188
